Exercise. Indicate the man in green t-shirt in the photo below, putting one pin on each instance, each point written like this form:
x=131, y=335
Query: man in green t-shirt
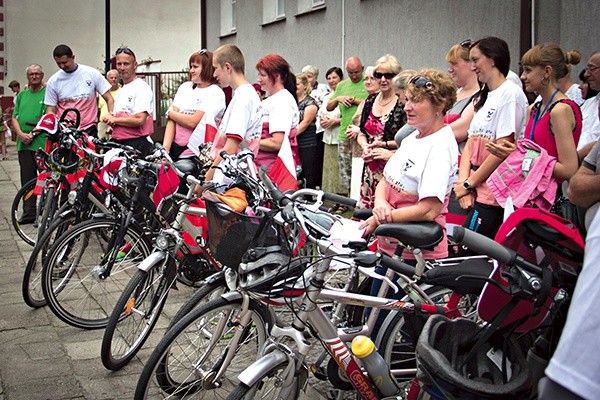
x=347, y=96
x=29, y=107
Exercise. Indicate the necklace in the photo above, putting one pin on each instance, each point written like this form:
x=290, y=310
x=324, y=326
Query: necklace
x=382, y=104
x=537, y=116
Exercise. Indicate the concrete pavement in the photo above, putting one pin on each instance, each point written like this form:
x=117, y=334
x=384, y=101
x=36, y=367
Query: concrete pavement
x=40, y=356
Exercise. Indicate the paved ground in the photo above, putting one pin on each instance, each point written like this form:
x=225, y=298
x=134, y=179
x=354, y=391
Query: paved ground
x=40, y=356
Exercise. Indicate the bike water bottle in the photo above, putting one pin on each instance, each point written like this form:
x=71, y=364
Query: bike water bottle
x=378, y=370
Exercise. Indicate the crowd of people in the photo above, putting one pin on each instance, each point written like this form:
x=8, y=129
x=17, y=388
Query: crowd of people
x=422, y=145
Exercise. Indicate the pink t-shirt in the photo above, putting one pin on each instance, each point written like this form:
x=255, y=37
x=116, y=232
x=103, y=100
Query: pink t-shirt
x=134, y=98
x=78, y=90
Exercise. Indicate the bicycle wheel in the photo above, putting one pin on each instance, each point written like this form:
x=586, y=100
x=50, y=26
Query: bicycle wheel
x=267, y=386
x=22, y=221
x=134, y=316
x=186, y=360
x=48, y=202
x=397, y=347
x=210, y=290
x=32, y=277
x=73, y=276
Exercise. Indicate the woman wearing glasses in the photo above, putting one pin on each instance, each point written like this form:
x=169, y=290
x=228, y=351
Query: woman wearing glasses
x=500, y=110
x=197, y=102
x=381, y=117
x=417, y=179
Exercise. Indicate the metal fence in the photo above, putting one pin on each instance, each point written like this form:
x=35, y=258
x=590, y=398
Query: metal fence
x=164, y=86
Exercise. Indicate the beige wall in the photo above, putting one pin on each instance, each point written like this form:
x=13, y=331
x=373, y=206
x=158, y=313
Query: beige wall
x=167, y=30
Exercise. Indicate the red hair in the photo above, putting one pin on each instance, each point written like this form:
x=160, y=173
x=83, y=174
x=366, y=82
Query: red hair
x=273, y=65
x=204, y=59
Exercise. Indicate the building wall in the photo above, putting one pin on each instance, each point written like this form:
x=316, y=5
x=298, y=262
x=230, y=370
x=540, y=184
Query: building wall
x=419, y=33
x=151, y=28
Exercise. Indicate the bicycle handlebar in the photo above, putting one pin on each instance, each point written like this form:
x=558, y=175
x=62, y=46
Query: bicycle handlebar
x=484, y=245
x=336, y=198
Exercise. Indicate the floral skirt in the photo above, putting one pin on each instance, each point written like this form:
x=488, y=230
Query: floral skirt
x=371, y=178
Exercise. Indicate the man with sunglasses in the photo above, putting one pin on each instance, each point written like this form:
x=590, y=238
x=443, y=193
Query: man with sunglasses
x=347, y=96
x=132, y=119
x=75, y=86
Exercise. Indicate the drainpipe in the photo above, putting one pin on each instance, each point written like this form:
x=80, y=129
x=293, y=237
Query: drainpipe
x=203, y=24
x=527, y=26
x=107, y=36
x=343, y=33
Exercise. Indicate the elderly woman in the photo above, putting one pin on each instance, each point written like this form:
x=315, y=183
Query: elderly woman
x=382, y=115
x=417, y=179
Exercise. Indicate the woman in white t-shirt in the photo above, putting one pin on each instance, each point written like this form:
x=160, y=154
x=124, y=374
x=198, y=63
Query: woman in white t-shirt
x=200, y=98
x=500, y=109
x=279, y=110
x=418, y=177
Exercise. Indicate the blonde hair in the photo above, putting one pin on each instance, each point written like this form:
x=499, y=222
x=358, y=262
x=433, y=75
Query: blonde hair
x=390, y=62
x=550, y=54
x=457, y=52
x=302, y=78
x=441, y=92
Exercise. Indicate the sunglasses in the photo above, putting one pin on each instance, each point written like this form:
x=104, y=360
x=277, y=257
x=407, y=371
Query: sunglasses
x=420, y=82
x=125, y=50
x=466, y=43
x=379, y=75
x=203, y=52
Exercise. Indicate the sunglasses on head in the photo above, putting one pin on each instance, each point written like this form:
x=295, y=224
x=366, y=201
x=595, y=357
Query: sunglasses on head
x=379, y=75
x=420, y=82
x=203, y=52
x=466, y=43
x=125, y=50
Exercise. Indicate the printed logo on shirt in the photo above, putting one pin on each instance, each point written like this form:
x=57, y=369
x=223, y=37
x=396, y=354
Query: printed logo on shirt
x=490, y=114
x=408, y=165
x=88, y=83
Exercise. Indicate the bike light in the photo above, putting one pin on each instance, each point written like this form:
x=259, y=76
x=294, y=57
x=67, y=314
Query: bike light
x=162, y=241
x=71, y=197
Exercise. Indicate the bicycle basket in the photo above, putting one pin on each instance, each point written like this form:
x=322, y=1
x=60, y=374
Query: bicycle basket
x=231, y=234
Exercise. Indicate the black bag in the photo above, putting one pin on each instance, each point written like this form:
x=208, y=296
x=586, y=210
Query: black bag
x=567, y=210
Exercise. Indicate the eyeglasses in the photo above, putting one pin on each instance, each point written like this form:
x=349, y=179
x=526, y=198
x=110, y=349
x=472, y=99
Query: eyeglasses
x=203, y=52
x=387, y=75
x=466, y=43
x=420, y=82
x=125, y=50
x=591, y=68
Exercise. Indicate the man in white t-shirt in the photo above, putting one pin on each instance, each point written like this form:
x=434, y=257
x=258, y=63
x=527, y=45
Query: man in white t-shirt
x=242, y=118
x=75, y=86
x=590, y=110
x=132, y=118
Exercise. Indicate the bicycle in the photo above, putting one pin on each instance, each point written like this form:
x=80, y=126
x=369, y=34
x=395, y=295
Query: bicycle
x=139, y=307
x=88, y=198
x=56, y=177
x=88, y=267
x=197, y=354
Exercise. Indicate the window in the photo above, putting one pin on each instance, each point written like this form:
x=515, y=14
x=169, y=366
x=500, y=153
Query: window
x=305, y=6
x=273, y=10
x=228, y=17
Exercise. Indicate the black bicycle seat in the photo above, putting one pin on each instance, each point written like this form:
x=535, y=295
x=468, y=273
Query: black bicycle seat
x=424, y=235
x=446, y=276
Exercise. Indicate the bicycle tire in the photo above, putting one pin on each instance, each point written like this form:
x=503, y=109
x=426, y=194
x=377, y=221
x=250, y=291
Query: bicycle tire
x=134, y=317
x=71, y=280
x=266, y=387
x=32, y=277
x=210, y=290
x=50, y=200
x=27, y=232
x=396, y=346
x=177, y=357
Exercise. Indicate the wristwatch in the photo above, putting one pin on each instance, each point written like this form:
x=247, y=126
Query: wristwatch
x=467, y=185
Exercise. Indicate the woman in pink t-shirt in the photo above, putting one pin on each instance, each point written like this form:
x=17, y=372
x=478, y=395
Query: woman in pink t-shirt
x=195, y=98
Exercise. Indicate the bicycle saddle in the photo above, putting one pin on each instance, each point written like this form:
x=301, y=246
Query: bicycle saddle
x=424, y=235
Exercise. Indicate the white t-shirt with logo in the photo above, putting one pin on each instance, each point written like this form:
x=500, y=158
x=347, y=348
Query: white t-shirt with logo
x=502, y=114
x=243, y=115
x=425, y=166
x=78, y=90
x=281, y=112
x=134, y=98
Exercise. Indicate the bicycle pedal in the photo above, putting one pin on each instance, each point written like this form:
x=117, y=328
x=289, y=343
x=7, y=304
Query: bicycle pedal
x=319, y=372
